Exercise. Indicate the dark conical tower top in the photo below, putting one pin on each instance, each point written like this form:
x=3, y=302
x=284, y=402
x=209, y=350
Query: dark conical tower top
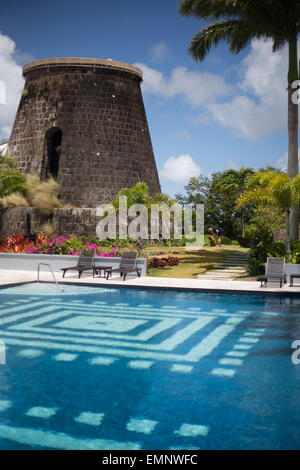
x=83, y=122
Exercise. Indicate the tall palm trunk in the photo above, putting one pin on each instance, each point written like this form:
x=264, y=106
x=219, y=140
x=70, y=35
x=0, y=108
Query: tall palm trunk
x=293, y=118
x=288, y=235
x=243, y=223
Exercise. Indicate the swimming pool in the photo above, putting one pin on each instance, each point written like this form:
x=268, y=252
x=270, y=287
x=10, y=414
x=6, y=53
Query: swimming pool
x=120, y=368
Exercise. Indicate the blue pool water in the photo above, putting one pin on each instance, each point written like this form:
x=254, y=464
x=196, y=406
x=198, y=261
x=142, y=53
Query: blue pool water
x=117, y=368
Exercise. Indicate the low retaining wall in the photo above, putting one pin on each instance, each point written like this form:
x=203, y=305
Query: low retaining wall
x=292, y=269
x=29, y=262
x=64, y=221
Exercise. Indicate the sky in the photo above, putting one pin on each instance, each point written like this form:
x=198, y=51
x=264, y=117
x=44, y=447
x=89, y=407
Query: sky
x=226, y=112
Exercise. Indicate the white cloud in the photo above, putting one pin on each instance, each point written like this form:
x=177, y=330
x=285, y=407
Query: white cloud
x=180, y=135
x=233, y=165
x=180, y=169
x=283, y=161
x=196, y=87
x=11, y=75
x=258, y=103
x=159, y=51
x=259, y=107
x=3, y=148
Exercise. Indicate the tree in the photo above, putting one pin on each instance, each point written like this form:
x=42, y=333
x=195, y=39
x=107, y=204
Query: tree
x=139, y=194
x=233, y=184
x=237, y=22
x=197, y=191
x=277, y=189
x=218, y=194
x=11, y=179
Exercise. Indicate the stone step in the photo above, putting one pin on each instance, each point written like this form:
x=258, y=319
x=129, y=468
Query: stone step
x=232, y=266
x=229, y=266
x=208, y=278
x=216, y=275
x=236, y=261
x=238, y=271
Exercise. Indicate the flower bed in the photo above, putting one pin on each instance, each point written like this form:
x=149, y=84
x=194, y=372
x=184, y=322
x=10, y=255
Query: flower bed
x=162, y=262
x=61, y=245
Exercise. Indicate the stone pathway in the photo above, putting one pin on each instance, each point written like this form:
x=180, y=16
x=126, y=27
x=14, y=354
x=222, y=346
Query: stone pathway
x=233, y=267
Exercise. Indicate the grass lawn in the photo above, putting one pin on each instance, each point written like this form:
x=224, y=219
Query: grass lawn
x=192, y=262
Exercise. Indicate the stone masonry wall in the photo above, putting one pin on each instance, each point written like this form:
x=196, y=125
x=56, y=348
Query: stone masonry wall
x=64, y=221
x=106, y=143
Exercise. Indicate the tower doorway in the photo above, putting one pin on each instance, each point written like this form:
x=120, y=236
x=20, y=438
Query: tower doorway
x=53, y=148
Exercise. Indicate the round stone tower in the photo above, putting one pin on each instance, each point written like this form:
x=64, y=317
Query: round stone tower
x=83, y=122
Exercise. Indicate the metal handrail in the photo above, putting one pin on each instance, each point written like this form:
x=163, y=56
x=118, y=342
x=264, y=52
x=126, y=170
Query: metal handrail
x=53, y=275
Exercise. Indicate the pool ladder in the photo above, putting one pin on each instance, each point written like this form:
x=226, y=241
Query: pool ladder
x=53, y=275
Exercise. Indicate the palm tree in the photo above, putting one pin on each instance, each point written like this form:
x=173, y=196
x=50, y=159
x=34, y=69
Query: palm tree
x=276, y=189
x=237, y=22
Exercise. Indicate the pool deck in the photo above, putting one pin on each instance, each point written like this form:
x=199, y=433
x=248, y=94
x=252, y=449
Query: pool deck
x=10, y=277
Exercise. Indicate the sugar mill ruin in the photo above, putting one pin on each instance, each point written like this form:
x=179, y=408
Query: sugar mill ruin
x=83, y=122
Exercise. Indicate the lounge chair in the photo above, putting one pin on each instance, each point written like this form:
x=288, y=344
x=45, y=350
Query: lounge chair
x=127, y=265
x=274, y=271
x=85, y=262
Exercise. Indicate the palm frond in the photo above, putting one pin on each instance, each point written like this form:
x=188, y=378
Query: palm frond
x=211, y=8
x=214, y=34
x=278, y=20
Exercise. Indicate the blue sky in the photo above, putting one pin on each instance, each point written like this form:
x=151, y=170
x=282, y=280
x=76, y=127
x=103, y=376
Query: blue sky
x=226, y=112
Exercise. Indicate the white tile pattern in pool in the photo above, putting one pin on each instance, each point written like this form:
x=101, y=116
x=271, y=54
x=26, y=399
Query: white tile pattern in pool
x=145, y=426
x=87, y=417
x=41, y=412
x=102, y=361
x=4, y=405
x=143, y=334
x=57, y=440
x=192, y=430
x=245, y=343
x=140, y=364
x=135, y=373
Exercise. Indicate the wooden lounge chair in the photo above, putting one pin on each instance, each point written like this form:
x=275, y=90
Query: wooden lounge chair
x=127, y=265
x=274, y=271
x=85, y=262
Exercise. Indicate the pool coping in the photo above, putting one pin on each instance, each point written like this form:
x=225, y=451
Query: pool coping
x=206, y=290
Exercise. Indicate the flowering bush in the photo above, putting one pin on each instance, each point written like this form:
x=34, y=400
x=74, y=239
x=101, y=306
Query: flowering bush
x=162, y=262
x=61, y=245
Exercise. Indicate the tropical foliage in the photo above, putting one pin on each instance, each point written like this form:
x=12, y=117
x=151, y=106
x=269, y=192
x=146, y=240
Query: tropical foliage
x=139, y=194
x=272, y=189
x=11, y=179
x=218, y=194
x=237, y=23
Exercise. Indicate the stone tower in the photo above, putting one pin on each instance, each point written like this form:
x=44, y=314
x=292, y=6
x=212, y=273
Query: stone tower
x=83, y=122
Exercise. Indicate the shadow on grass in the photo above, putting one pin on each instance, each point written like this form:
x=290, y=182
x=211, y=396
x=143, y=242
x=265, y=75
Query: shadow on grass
x=193, y=262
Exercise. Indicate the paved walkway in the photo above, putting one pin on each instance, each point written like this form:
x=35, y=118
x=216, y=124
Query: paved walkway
x=233, y=267
x=12, y=277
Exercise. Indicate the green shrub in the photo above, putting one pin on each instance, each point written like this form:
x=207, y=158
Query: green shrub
x=257, y=259
x=226, y=241
x=276, y=249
